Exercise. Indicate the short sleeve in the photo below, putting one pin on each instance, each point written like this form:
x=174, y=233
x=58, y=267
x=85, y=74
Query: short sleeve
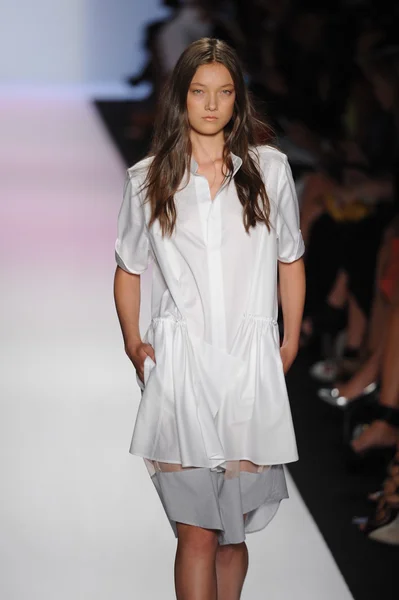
x=290, y=245
x=132, y=245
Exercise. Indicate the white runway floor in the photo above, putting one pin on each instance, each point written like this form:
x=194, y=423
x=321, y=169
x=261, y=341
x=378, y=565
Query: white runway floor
x=80, y=519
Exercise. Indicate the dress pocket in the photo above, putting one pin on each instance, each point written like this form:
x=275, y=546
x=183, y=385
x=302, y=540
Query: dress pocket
x=149, y=364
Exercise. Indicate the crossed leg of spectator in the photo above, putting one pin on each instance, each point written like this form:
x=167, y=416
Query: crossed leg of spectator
x=382, y=432
x=370, y=370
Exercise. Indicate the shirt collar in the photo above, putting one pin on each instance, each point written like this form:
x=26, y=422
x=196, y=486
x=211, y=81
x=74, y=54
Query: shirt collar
x=237, y=162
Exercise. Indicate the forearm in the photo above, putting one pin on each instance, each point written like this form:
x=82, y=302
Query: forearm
x=292, y=292
x=127, y=302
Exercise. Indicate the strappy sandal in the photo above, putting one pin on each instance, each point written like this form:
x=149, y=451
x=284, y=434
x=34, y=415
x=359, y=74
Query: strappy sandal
x=383, y=526
x=392, y=471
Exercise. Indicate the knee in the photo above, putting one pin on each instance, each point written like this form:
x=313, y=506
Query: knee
x=197, y=539
x=226, y=553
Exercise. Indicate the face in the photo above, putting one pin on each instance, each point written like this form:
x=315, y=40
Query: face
x=210, y=99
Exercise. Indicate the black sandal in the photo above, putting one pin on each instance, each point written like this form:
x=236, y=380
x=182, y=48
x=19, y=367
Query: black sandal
x=383, y=526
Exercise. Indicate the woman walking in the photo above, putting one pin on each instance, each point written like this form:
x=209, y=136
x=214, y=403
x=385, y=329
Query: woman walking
x=213, y=209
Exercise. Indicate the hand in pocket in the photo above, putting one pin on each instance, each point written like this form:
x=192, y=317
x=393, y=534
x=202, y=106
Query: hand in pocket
x=138, y=354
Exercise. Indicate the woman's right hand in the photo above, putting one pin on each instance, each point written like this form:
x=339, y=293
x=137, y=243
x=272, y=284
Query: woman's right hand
x=137, y=353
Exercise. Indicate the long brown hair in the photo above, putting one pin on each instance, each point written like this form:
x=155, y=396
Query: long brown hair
x=171, y=146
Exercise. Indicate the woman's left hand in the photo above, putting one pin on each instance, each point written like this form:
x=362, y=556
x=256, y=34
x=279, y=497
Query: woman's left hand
x=288, y=352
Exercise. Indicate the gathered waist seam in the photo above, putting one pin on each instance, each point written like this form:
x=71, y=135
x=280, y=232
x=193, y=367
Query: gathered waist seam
x=258, y=317
x=169, y=318
x=246, y=315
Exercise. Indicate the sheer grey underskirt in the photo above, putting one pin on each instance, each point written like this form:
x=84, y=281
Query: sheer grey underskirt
x=237, y=498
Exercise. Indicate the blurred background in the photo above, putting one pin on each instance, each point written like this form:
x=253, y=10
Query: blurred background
x=79, y=86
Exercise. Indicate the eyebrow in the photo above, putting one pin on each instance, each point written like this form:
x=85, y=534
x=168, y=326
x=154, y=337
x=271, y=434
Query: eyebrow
x=203, y=85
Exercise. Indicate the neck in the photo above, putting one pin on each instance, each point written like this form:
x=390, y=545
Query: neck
x=207, y=148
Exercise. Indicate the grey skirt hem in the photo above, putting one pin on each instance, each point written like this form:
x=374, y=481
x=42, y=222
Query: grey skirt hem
x=205, y=498
x=178, y=462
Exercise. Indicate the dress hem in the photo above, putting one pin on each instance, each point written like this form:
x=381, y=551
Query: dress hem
x=176, y=462
x=202, y=502
x=222, y=530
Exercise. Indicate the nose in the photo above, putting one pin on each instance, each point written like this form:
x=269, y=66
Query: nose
x=211, y=102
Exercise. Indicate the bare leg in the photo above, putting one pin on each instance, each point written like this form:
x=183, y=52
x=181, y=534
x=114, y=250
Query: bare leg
x=232, y=559
x=381, y=433
x=231, y=570
x=195, y=563
x=390, y=370
x=204, y=570
x=378, y=325
x=339, y=293
x=356, y=324
x=371, y=368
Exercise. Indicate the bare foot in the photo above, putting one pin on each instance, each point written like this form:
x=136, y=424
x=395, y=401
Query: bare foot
x=352, y=388
x=379, y=433
x=348, y=390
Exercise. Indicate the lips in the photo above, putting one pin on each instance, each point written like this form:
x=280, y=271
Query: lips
x=210, y=118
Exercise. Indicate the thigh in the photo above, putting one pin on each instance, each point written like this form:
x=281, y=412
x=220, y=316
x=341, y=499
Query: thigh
x=362, y=246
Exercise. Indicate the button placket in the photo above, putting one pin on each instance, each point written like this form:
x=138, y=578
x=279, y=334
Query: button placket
x=215, y=268
x=211, y=222
x=203, y=198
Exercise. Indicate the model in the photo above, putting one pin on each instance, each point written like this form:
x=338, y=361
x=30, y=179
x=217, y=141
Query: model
x=213, y=209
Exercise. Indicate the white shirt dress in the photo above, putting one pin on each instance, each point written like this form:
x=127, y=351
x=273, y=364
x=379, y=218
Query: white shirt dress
x=215, y=397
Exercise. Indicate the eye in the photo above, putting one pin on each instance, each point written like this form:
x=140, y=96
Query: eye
x=195, y=92
x=227, y=92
